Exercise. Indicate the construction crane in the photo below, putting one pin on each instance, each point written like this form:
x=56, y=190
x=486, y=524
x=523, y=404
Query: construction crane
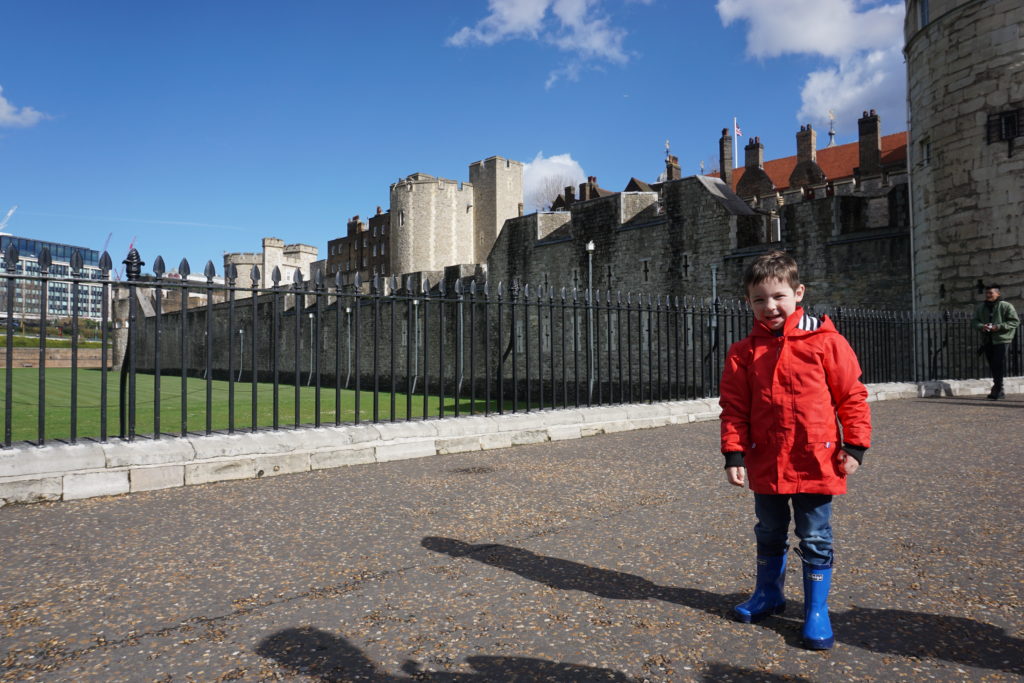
x=7, y=217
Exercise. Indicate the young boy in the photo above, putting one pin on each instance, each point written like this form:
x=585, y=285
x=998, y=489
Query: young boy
x=782, y=389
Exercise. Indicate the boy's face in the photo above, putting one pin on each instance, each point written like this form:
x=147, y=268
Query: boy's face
x=773, y=301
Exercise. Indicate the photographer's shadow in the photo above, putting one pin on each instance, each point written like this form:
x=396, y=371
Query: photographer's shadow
x=898, y=632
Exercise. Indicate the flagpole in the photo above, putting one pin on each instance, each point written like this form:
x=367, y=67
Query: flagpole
x=735, y=144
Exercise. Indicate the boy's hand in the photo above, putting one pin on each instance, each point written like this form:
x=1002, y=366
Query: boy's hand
x=735, y=475
x=848, y=462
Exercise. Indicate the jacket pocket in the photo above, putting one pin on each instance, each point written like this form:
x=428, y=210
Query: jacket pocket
x=820, y=461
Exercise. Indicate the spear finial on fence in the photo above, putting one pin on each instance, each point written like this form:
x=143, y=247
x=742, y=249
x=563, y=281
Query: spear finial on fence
x=106, y=265
x=231, y=274
x=77, y=262
x=254, y=277
x=45, y=260
x=158, y=267
x=183, y=268
x=134, y=264
x=11, y=258
x=210, y=271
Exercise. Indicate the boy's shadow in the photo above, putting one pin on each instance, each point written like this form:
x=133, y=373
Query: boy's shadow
x=328, y=658
x=954, y=639
x=568, y=575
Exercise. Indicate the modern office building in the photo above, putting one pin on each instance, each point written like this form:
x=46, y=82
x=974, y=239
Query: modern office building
x=61, y=290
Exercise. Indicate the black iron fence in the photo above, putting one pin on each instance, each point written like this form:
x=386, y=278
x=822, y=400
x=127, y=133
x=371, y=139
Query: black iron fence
x=243, y=358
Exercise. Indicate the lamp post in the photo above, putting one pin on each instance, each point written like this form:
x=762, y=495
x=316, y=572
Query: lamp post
x=241, y=353
x=590, y=321
x=311, y=350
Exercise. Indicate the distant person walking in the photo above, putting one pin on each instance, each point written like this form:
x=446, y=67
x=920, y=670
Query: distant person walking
x=997, y=321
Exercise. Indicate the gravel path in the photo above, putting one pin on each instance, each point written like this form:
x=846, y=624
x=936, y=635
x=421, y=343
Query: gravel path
x=611, y=558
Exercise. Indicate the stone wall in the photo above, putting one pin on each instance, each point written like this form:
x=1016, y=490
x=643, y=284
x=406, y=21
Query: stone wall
x=964, y=66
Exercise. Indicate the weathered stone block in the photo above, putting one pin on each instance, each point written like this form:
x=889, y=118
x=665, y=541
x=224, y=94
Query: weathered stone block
x=223, y=470
x=342, y=457
x=362, y=433
x=496, y=440
x=27, y=460
x=93, y=484
x=406, y=450
x=458, y=444
x=564, y=432
x=390, y=431
x=528, y=436
x=149, y=452
x=462, y=426
x=285, y=463
x=153, y=478
x=30, y=490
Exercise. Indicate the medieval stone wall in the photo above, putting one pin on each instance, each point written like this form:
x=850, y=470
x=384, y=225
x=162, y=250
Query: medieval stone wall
x=853, y=248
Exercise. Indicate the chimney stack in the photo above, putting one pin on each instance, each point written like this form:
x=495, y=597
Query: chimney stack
x=868, y=130
x=672, y=170
x=754, y=153
x=725, y=157
x=806, y=144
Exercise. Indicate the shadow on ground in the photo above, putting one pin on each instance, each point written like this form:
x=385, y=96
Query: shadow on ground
x=915, y=634
x=329, y=658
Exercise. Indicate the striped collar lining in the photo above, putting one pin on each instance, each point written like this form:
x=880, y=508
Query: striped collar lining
x=808, y=323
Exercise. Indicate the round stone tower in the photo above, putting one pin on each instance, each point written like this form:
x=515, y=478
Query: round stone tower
x=965, y=85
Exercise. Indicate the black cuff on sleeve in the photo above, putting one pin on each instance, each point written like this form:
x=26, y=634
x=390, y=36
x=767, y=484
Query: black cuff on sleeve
x=733, y=459
x=855, y=452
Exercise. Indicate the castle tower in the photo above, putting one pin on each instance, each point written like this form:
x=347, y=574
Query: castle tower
x=431, y=224
x=966, y=109
x=498, y=195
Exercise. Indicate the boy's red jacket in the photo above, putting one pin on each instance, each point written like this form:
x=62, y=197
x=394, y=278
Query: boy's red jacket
x=780, y=398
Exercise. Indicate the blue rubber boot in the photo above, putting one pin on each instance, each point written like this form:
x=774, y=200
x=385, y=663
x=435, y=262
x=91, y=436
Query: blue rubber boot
x=767, y=598
x=817, y=630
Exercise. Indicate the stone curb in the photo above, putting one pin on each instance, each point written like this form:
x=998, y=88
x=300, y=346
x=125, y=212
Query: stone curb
x=70, y=472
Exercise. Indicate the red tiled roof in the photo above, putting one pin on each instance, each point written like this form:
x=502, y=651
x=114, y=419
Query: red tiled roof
x=836, y=162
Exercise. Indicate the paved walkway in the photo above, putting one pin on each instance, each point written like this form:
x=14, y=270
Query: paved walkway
x=611, y=558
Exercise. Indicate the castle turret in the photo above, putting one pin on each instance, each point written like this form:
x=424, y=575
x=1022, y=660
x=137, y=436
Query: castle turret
x=497, y=196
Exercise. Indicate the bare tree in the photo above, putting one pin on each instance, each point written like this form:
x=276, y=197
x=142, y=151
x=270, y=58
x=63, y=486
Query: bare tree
x=547, y=188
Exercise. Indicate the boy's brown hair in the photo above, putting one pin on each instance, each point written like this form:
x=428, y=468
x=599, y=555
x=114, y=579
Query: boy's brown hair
x=775, y=265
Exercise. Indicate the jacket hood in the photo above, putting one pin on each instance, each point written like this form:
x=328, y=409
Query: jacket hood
x=798, y=324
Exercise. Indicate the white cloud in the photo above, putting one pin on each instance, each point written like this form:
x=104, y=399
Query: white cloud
x=545, y=178
x=13, y=117
x=861, y=40
x=577, y=27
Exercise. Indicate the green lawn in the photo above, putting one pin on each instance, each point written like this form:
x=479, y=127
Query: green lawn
x=25, y=398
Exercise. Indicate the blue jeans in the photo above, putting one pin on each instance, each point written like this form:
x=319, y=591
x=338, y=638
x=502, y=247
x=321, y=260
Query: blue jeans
x=811, y=514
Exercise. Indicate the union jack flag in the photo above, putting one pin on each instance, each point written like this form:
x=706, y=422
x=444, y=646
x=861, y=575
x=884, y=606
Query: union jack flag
x=739, y=133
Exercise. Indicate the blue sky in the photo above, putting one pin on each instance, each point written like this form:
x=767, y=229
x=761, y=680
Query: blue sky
x=199, y=127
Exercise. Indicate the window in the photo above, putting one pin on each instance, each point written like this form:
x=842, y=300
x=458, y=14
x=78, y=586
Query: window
x=922, y=13
x=1004, y=125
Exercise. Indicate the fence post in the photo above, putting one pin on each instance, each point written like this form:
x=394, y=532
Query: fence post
x=133, y=271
